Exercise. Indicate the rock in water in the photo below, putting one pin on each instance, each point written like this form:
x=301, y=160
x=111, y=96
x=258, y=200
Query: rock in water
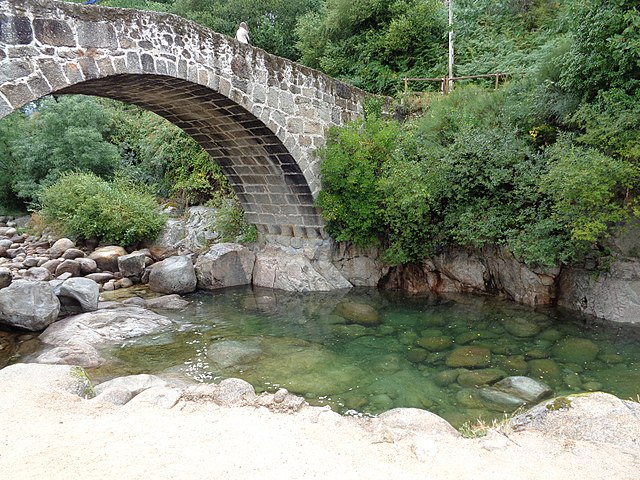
x=105, y=326
x=225, y=265
x=528, y=389
x=576, y=350
x=469, y=357
x=359, y=313
x=173, y=275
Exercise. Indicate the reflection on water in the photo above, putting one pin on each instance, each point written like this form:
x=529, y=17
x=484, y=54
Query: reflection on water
x=367, y=351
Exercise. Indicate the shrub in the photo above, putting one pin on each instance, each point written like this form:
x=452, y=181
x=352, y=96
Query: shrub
x=82, y=206
x=231, y=225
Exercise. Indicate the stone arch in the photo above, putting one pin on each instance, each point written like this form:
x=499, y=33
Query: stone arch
x=259, y=116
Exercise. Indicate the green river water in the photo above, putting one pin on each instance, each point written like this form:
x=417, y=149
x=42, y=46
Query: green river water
x=427, y=352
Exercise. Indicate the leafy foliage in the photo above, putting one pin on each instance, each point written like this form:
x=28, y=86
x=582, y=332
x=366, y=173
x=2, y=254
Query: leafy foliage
x=83, y=206
x=231, y=225
x=69, y=133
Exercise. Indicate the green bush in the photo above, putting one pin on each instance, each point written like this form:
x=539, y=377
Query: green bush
x=83, y=206
x=231, y=225
x=352, y=162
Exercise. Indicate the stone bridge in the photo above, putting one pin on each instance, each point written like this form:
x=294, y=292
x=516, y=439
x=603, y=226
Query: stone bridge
x=259, y=116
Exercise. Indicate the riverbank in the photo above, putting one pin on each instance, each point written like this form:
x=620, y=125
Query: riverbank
x=47, y=432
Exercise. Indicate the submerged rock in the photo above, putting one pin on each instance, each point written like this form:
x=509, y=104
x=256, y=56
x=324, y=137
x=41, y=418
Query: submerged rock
x=469, y=357
x=230, y=353
x=358, y=313
x=576, y=350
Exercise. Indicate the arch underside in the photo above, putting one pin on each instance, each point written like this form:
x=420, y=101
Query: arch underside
x=266, y=178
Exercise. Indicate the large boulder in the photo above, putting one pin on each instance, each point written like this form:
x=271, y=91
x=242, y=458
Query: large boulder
x=29, y=305
x=83, y=291
x=278, y=268
x=135, y=384
x=60, y=246
x=599, y=418
x=173, y=275
x=225, y=265
x=26, y=380
x=106, y=258
x=132, y=265
x=37, y=274
x=358, y=313
x=105, y=326
x=81, y=354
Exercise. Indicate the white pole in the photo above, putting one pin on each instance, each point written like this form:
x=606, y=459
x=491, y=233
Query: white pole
x=450, y=83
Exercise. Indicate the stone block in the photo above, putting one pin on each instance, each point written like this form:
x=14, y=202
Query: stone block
x=96, y=35
x=54, y=32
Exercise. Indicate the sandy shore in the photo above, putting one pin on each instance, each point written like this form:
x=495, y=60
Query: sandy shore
x=49, y=434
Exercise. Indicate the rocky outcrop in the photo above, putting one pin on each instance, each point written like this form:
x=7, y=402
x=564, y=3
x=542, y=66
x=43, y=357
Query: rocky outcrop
x=276, y=267
x=225, y=265
x=173, y=275
x=596, y=417
x=612, y=295
x=361, y=267
x=29, y=305
x=492, y=270
x=104, y=326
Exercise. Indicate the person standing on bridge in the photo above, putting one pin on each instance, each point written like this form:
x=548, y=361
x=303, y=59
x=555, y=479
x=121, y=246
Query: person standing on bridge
x=242, y=35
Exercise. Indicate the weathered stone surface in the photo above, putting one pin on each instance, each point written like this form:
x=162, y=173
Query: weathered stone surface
x=113, y=396
x=595, y=417
x=488, y=270
x=21, y=378
x=162, y=397
x=173, y=275
x=277, y=268
x=105, y=326
x=68, y=266
x=132, y=265
x=405, y=420
x=82, y=290
x=37, y=274
x=234, y=392
x=29, y=305
x=613, y=295
x=225, y=265
x=73, y=254
x=133, y=383
x=106, y=258
x=527, y=388
x=5, y=277
x=166, y=302
x=60, y=246
x=81, y=354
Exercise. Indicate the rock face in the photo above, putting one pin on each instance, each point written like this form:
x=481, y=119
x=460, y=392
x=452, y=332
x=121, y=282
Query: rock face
x=491, y=270
x=29, y=305
x=360, y=267
x=105, y=326
x=173, y=275
x=277, y=268
x=225, y=265
x=613, y=295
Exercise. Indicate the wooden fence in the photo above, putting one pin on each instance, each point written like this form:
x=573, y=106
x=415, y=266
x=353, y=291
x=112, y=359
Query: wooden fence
x=446, y=81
